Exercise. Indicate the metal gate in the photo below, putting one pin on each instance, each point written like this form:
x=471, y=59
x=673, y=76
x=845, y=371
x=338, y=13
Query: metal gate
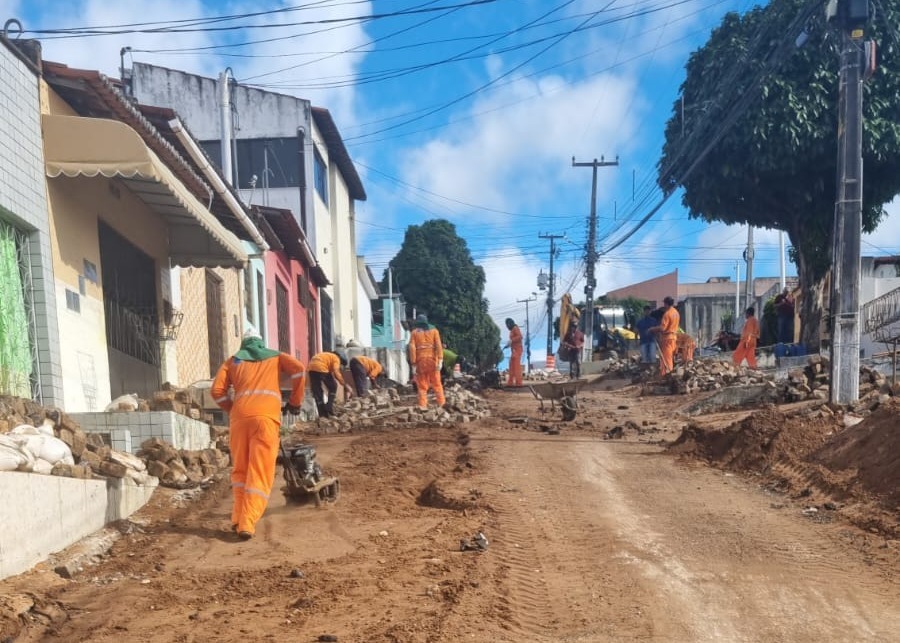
x=17, y=342
x=282, y=318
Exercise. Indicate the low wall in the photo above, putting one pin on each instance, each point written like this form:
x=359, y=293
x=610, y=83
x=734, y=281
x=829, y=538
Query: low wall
x=45, y=514
x=128, y=429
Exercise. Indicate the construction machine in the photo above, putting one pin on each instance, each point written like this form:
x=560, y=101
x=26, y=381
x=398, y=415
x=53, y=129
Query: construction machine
x=304, y=477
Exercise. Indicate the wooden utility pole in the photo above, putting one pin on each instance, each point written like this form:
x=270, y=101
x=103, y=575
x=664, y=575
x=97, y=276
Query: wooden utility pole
x=590, y=252
x=851, y=16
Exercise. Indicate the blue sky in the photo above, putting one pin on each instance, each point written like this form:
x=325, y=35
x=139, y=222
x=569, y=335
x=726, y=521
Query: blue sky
x=473, y=113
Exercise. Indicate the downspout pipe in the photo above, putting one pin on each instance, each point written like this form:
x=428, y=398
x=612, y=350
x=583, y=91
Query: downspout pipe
x=217, y=183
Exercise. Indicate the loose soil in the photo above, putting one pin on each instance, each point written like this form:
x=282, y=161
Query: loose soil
x=597, y=533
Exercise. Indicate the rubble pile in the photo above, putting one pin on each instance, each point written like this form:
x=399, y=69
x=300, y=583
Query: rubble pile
x=811, y=382
x=384, y=408
x=169, y=398
x=35, y=439
x=709, y=375
x=180, y=468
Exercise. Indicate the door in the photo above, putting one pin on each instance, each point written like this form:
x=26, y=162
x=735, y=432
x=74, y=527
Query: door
x=282, y=317
x=15, y=346
x=215, y=320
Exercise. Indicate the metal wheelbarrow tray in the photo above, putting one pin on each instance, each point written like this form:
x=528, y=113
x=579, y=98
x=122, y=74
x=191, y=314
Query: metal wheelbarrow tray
x=565, y=392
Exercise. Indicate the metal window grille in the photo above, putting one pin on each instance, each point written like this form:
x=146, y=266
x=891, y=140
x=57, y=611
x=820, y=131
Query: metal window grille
x=215, y=320
x=282, y=317
x=132, y=330
x=18, y=323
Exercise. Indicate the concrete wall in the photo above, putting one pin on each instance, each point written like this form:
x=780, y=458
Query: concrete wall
x=23, y=203
x=363, y=315
x=127, y=430
x=45, y=514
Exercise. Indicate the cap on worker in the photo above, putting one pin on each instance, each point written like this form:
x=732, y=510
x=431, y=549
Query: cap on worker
x=421, y=321
x=251, y=333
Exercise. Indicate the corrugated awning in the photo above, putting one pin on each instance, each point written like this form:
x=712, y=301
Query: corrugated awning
x=78, y=146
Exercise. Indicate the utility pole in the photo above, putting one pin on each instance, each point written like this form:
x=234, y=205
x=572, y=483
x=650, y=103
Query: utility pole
x=852, y=16
x=527, y=332
x=553, y=238
x=737, y=296
x=225, y=124
x=590, y=252
x=749, y=253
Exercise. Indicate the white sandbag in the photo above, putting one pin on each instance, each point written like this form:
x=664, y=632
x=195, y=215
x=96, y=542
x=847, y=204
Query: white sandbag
x=25, y=429
x=54, y=450
x=46, y=428
x=42, y=466
x=11, y=454
x=129, y=401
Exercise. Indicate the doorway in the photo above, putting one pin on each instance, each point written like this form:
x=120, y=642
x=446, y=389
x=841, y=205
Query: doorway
x=215, y=320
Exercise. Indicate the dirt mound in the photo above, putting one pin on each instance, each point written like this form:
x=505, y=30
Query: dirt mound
x=754, y=443
x=871, y=449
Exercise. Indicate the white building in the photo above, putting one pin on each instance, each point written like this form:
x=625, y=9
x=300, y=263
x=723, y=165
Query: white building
x=285, y=154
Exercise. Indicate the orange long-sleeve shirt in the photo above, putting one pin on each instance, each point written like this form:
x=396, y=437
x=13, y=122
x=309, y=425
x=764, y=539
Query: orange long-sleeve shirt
x=425, y=346
x=373, y=368
x=256, y=391
x=515, y=339
x=327, y=363
x=670, y=321
x=751, y=329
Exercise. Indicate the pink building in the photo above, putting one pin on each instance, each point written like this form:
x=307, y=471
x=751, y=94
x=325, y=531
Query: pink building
x=293, y=279
x=653, y=290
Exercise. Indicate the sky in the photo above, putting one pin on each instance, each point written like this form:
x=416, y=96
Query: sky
x=471, y=111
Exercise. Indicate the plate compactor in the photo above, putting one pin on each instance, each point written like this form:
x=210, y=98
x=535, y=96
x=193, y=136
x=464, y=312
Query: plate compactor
x=304, y=476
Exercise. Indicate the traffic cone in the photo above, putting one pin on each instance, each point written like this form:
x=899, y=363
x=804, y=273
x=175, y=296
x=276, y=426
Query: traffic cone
x=551, y=363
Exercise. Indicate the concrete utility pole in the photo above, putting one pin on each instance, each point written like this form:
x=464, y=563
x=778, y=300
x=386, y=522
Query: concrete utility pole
x=590, y=257
x=852, y=15
x=749, y=294
x=527, y=332
x=553, y=238
x=737, y=296
x=226, y=126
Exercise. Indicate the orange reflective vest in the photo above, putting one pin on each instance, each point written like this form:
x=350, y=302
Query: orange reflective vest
x=256, y=391
x=327, y=363
x=425, y=346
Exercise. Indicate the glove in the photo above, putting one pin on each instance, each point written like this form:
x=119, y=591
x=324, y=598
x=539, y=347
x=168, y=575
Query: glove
x=440, y=365
x=290, y=408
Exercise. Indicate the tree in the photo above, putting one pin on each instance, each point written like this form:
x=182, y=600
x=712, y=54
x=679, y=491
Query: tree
x=776, y=166
x=435, y=272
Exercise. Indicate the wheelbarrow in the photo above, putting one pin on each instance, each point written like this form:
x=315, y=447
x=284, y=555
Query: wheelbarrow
x=564, y=392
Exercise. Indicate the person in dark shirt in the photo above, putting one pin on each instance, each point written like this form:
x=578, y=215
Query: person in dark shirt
x=648, y=340
x=784, y=311
x=572, y=345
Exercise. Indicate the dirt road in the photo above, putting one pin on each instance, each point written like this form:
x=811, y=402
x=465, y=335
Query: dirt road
x=589, y=540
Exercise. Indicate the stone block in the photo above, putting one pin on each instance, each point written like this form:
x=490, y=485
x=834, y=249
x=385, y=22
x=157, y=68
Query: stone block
x=112, y=469
x=157, y=469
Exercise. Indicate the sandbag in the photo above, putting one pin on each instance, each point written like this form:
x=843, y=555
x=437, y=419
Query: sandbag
x=14, y=450
x=129, y=401
x=42, y=466
x=47, y=447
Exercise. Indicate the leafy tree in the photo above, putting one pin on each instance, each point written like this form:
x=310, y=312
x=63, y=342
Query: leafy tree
x=776, y=167
x=435, y=272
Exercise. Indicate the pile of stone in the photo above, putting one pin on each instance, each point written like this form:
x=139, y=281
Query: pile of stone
x=169, y=398
x=386, y=408
x=705, y=375
x=90, y=456
x=812, y=382
x=181, y=468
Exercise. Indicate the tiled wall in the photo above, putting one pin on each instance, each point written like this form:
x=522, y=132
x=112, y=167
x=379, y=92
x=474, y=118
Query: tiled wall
x=127, y=430
x=23, y=201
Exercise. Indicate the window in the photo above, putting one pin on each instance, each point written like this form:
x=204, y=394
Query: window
x=275, y=162
x=327, y=331
x=73, y=301
x=303, y=296
x=321, y=177
x=248, y=295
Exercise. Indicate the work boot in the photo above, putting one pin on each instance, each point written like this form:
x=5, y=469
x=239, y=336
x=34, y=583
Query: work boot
x=245, y=535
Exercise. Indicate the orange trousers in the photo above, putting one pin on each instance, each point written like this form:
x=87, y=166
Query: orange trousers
x=745, y=350
x=254, y=443
x=666, y=354
x=427, y=376
x=515, y=369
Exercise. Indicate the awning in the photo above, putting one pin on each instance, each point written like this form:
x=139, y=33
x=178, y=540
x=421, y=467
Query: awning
x=78, y=146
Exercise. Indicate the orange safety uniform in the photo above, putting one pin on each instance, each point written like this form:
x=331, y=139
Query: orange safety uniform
x=373, y=368
x=327, y=363
x=254, y=410
x=667, y=339
x=747, y=347
x=425, y=351
x=515, y=357
x=685, y=346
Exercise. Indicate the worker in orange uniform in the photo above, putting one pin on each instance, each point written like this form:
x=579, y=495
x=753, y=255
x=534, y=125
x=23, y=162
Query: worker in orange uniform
x=665, y=336
x=515, y=353
x=747, y=347
x=426, y=357
x=254, y=409
x=325, y=372
x=365, y=370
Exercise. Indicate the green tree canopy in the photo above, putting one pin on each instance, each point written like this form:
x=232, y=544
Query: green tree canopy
x=435, y=272
x=776, y=167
